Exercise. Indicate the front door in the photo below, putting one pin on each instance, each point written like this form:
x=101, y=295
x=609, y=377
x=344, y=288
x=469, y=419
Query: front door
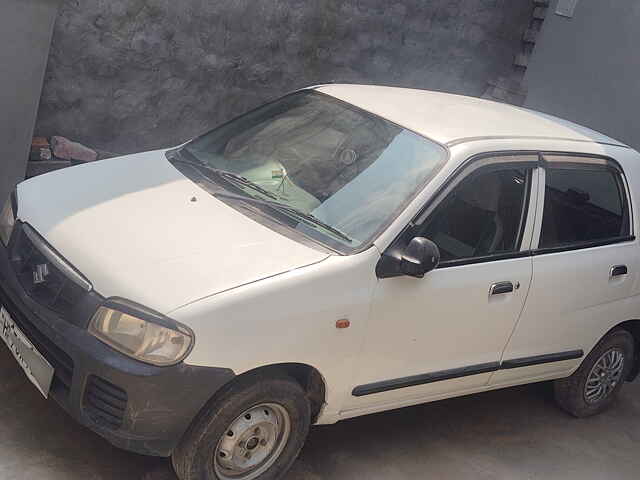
x=445, y=333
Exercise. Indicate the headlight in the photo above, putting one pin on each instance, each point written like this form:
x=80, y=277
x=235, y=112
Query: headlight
x=141, y=333
x=7, y=220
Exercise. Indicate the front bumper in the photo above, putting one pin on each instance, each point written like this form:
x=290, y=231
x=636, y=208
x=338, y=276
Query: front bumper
x=135, y=406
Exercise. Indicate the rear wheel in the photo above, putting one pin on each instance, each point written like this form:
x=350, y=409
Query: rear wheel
x=595, y=385
x=253, y=431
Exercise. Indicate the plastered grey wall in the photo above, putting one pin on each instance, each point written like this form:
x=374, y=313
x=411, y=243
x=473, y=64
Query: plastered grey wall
x=587, y=68
x=129, y=75
x=25, y=34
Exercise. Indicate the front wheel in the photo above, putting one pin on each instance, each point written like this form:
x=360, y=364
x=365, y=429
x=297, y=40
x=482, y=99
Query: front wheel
x=595, y=385
x=253, y=431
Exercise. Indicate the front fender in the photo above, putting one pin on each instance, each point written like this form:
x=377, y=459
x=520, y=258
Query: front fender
x=289, y=318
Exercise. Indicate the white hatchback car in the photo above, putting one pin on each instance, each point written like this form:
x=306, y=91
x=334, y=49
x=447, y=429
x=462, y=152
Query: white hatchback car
x=344, y=250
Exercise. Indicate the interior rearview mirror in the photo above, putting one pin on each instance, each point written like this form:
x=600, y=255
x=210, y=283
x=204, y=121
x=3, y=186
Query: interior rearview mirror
x=420, y=257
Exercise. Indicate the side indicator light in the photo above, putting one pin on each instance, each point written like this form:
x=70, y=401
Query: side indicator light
x=343, y=323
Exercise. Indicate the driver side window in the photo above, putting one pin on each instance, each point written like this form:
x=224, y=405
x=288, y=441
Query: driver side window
x=484, y=215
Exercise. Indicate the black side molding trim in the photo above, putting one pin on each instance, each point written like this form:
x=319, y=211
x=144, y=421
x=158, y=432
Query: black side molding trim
x=424, y=378
x=540, y=359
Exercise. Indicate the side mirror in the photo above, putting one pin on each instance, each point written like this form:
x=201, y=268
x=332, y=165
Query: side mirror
x=420, y=257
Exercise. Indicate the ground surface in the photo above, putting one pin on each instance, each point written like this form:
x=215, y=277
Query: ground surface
x=511, y=434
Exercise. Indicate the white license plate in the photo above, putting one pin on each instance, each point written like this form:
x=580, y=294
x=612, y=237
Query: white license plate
x=38, y=370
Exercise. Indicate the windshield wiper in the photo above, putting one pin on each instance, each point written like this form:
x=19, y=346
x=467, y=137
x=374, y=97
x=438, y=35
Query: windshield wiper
x=177, y=155
x=307, y=218
x=234, y=177
x=225, y=174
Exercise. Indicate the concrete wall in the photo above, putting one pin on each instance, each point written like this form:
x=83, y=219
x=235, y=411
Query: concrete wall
x=587, y=68
x=25, y=34
x=128, y=75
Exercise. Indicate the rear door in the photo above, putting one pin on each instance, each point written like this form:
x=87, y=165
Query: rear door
x=584, y=267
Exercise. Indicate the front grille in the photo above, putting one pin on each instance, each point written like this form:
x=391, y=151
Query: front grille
x=59, y=360
x=42, y=281
x=104, y=402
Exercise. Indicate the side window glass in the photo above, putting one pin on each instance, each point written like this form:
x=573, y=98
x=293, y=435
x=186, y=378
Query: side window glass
x=583, y=206
x=484, y=215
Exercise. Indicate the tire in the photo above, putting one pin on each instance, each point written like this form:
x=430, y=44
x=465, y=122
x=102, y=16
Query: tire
x=572, y=394
x=226, y=427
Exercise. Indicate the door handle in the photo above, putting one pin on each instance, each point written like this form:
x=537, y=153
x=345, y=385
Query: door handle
x=618, y=270
x=499, y=288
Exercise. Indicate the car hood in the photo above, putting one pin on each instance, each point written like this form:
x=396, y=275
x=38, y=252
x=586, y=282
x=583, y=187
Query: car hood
x=137, y=228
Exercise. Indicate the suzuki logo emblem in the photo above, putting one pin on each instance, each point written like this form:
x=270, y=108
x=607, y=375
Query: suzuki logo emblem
x=40, y=273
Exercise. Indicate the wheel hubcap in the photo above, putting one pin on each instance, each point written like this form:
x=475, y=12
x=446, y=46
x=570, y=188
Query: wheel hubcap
x=252, y=443
x=605, y=375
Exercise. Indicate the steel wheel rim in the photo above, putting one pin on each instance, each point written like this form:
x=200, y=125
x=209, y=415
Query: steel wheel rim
x=252, y=442
x=605, y=375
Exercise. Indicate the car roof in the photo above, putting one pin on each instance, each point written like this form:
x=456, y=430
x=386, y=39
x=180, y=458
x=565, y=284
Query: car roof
x=450, y=119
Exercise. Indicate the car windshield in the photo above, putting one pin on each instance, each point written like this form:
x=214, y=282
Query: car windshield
x=341, y=173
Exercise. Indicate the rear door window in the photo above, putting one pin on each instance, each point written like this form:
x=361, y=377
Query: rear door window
x=582, y=206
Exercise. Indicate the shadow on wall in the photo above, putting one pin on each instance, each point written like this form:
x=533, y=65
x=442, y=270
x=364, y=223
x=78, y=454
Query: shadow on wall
x=131, y=75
